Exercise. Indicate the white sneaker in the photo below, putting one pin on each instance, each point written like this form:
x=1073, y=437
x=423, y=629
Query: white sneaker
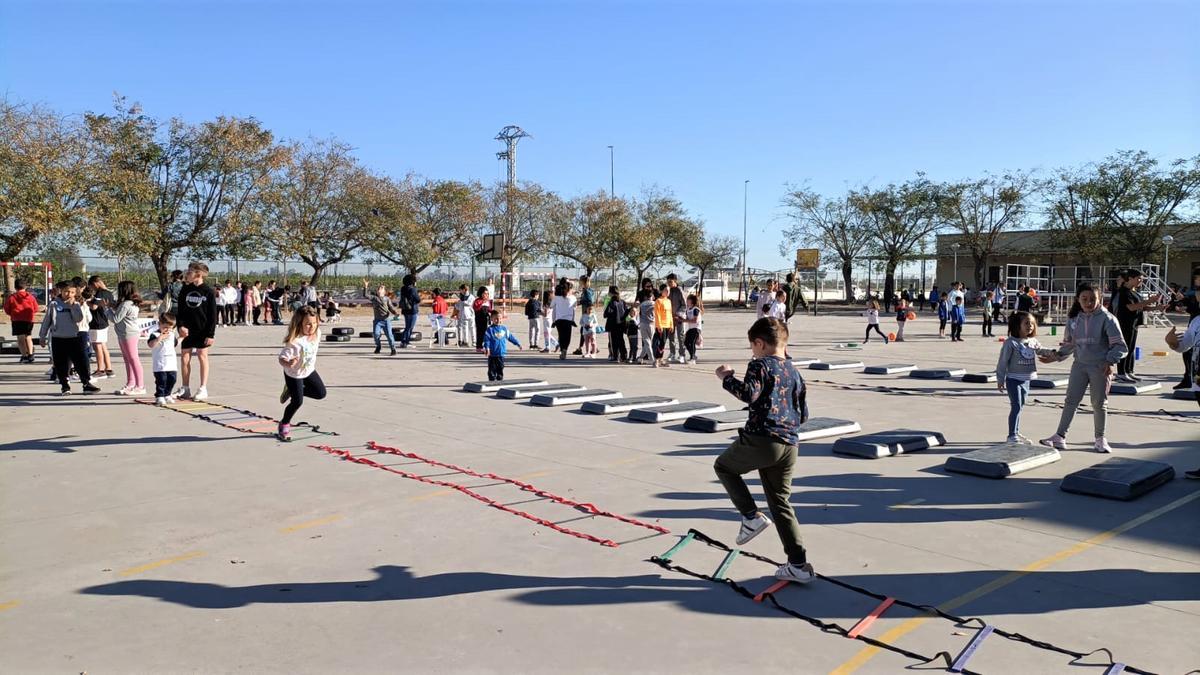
x=99, y=376
x=123, y=391
x=1022, y=439
x=168, y=399
x=683, y=359
x=797, y=574
x=752, y=527
x=1012, y=439
x=1103, y=446
x=1057, y=442
x=137, y=391
x=183, y=393
x=160, y=400
x=201, y=394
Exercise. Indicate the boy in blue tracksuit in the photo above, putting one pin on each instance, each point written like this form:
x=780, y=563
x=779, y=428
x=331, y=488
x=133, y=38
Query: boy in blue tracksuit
x=958, y=316
x=495, y=346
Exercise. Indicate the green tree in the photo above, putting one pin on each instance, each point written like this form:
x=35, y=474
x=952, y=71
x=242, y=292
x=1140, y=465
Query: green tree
x=183, y=188
x=835, y=226
x=429, y=221
x=522, y=215
x=588, y=230
x=49, y=175
x=981, y=210
x=659, y=233
x=897, y=218
x=709, y=251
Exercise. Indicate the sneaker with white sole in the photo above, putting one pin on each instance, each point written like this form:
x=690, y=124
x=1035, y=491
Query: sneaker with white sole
x=137, y=391
x=123, y=391
x=1057, y=442
x=1102, y=446
x=183, y=393
x=160, y=400
x=1012, y=439
x=752, y=527
x=797, y=574
x=201, y=394
x=1023, y=439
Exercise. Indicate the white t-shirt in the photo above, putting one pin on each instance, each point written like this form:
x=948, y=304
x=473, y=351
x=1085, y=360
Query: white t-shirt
x=563, y=307
x=163, y=356
x=1191, y=340
x=778, y=310
x=304, y=348
x=956, y=294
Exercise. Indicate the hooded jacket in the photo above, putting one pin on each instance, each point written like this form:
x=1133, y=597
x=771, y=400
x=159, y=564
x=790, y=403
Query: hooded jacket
x=1095, y=339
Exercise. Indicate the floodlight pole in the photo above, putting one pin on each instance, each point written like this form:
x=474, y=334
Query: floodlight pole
x=745, y=263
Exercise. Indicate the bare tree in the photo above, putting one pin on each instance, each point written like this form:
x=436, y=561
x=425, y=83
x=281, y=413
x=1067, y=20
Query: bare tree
x=981, y=210
x=524, y=226
x=832, y=225
x=711, y=250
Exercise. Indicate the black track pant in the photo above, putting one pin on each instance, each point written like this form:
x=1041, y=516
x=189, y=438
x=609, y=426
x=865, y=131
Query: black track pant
x=311, y=386
x=616, y=343
x=67, y=352
x=867, y=335
x=1126, y=365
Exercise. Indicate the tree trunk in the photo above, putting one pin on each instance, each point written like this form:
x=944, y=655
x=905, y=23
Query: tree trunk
x=161, y=261
x=641, y=274
x=889, y=280
x=848, y=279
x=980, y=264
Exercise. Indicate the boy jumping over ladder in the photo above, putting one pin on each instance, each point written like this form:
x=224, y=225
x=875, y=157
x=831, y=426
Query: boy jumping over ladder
x=767, y=444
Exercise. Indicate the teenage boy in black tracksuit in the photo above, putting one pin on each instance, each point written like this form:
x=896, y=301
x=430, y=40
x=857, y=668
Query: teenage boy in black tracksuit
x=196, y=317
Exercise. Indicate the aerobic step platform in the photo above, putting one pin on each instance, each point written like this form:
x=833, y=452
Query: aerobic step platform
x=679, y=411
x=979, y=378
x=1134, y=388
x=567, y=398
x=1049, y=381
x=620, y=405
x=824, y=427
x=801, y=361
x=835, y=365
x=888, y=443
x=530, y=392
x=1184, y=395
x=714, y=422
x=1004, y=459
x=370, y=334
x=337, y=338
x=937, y=373
x=1119, y=478
x=477, y=387
x=342, y=330
x=890, y=369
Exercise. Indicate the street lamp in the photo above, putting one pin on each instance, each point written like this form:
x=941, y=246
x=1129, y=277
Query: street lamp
x=745, y=202
x=954, y=275
x=1167, y=240
x=612, y=172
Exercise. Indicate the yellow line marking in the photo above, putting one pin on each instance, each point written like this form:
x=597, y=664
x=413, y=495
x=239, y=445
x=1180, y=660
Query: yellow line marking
x=451, y=491
x=912, y=502
x=312, y=523
x=9, y=605
x=159, y=563
x=859, y=659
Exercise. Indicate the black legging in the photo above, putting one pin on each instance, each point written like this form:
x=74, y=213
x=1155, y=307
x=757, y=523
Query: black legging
x=67, y=352
x=564, y=334
x=987, y=323
x=867, y=335
x=689, y=342
x=481, y=326
x=1129, y=331
x=1187, y=367
x=616, y=343
x=311, y=386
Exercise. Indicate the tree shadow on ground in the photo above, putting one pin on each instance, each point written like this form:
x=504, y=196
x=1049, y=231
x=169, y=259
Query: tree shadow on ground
x=71, y=443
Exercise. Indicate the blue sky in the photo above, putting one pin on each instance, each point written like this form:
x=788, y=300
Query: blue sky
x=695, y=96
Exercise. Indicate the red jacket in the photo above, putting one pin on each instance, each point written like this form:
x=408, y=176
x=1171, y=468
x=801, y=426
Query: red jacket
x=439, y=305
x=21, y=306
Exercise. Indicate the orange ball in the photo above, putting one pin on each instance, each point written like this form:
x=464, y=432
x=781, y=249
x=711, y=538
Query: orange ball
x=912, y=316
x=891, y=336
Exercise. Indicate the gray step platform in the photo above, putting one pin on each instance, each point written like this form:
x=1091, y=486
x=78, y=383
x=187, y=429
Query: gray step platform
x=478, y=387
x=1049, y=381
x=1003, y=459
x=801, y=361
x=1184, y=395
x=1119, y=478
x=342, y=330
x=530, y=392
x=888, y=443
x=835, y=365
x=621, y=405
x=337, y=338
x=890, y=369
x=979, y=378
x=1134, y=388
x=937, y=373
x=714, y=422
x=679, y=411
x=824, y=427
x=570, y=397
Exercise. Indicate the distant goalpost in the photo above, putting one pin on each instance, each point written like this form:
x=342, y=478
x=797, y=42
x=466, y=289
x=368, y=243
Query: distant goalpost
x=47, y=272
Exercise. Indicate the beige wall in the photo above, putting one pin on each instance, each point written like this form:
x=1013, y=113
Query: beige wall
x=1181, y=265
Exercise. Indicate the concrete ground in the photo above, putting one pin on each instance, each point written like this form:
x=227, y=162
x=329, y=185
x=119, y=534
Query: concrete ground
x=134, y=539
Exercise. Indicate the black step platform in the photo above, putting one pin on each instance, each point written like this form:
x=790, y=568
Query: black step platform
x=337, y=338
x=714, y=422
x=979, y=378
x=937, y=373
x=582, y=396
x=888, y=443
x=1134, y=388
x=477, y=387
x=835, y=365
x=890, y=369
x=1184, y=395
x=1049, y=381
x=531, y=391
x=342, y=330
x=621, y=405
x=369, y=334
x=824, y=427
x=1119, y=478
x=1001, y=460
x=678, y=411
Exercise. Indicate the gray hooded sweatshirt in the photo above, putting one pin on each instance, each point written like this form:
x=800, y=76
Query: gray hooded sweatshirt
x=1095, y=339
